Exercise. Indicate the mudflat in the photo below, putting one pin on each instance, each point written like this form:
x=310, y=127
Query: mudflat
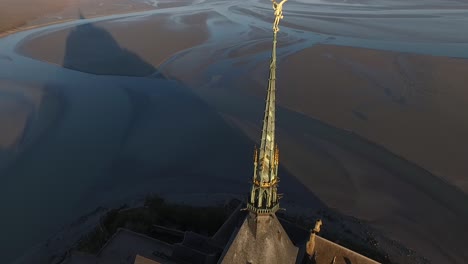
x=413, y=105
x=15, y=14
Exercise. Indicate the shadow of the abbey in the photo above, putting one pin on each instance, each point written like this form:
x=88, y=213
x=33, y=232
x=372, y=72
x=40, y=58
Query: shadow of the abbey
x=92, y=49
x=4, y=156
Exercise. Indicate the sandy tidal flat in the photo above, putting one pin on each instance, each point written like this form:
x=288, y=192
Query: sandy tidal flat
x=413, y=105
x=17, y=14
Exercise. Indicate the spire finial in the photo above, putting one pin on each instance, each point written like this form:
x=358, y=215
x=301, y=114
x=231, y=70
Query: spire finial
x=278, y=8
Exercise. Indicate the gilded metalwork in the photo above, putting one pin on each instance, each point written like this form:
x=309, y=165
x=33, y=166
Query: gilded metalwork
x=266, y=184
x=278, y=7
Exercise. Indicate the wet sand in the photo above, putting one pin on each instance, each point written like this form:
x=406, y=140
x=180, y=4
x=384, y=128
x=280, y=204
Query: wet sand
x=15, y=108
x=27, y=110
x=415, y=106
x=16, y=13
x=22, y=14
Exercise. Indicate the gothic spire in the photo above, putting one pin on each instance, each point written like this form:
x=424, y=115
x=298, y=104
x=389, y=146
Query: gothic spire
x=264, y=197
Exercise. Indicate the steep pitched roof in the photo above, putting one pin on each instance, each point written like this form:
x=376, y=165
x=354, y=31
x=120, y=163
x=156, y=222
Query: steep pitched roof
x=260, y=239
x=327, y=251
x=142, y=260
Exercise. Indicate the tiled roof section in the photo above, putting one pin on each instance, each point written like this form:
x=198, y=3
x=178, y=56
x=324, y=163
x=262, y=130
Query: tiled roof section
x=234, y=221
x=197, y=249
x=326, y=251
x=142, y=260
x=260, y=239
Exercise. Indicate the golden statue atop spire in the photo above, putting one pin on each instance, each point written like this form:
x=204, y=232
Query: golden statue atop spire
x=278, y=7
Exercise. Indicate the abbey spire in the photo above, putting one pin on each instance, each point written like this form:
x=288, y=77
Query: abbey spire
x=264, y=198
x=261, y=239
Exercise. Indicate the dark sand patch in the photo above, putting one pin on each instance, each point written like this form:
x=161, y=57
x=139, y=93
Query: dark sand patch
x=17, y=103
x=27, y=111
